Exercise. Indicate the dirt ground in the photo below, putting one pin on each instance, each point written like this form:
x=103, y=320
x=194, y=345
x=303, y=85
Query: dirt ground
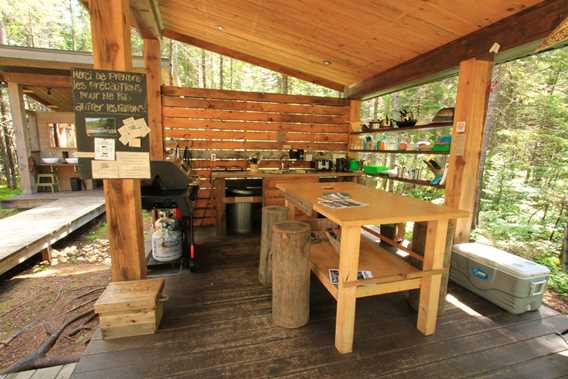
x=37, y=300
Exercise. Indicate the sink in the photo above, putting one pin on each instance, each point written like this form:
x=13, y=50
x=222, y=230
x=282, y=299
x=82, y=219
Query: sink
x=72, y=160
x=50, y=160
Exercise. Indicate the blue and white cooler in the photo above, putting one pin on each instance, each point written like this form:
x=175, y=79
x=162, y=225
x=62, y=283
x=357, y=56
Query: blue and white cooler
x=507, y=280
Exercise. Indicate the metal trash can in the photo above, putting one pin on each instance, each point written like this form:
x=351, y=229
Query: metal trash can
x=239, y=215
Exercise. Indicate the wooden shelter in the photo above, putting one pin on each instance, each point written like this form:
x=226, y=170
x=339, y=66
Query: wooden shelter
x=363, y=48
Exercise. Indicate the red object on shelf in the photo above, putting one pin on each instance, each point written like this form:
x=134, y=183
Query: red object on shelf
x=178, y=214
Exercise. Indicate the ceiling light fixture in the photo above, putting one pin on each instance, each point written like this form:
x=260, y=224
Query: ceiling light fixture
x=326, y=62
x=220, y=28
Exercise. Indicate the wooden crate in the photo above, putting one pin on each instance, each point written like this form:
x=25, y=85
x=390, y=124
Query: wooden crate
x=130, y=308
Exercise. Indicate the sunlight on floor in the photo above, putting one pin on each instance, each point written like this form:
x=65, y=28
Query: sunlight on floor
x=454, y=301
x=69, y=270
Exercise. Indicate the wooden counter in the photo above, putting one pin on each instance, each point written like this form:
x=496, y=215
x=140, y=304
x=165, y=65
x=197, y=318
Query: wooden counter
x=270, y=194
x=390, y=273
x=274, y=174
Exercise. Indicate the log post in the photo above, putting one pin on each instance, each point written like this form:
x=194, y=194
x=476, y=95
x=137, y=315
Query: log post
x=467, y=139
x=153, y=69
x=291, y=274
x=111, y=51
x=270, y=216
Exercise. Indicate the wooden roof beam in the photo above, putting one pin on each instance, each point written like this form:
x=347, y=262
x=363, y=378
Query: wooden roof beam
x=146, y=15
x=518, y=36
x=252, y=60
x=37, y=80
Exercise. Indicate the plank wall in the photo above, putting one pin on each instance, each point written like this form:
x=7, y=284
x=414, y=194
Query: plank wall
x=234, y=125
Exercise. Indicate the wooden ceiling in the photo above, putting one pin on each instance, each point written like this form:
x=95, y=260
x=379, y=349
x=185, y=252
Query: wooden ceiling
x=359, y=38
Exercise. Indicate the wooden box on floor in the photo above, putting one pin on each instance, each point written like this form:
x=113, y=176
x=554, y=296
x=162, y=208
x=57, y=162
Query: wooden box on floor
x=130, y=308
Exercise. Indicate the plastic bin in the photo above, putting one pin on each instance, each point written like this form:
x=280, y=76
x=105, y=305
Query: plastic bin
x=509, y=281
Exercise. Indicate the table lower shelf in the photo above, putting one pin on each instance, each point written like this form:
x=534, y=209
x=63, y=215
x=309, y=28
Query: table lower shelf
x=390, y=273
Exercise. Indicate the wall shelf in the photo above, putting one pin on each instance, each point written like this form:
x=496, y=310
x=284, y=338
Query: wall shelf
x=436, y=125
x=406, y=180
x=401, y=152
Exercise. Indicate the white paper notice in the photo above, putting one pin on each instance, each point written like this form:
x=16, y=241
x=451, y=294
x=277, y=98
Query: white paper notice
x=104, y=169
x=133, y=165
x=104, y=149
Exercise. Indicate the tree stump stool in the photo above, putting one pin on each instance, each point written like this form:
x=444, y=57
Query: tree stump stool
x=271, y=215
x=291, y=274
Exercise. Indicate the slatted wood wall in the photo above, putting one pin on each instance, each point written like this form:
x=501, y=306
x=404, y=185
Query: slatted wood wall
x=234, y=125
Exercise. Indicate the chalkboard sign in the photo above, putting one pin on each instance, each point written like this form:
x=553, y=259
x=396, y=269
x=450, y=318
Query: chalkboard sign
x=111, y=123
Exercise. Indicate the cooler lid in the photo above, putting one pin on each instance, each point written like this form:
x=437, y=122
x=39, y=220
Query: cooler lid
x=509, y=263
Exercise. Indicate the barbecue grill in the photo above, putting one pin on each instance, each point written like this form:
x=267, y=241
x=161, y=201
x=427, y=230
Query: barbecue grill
x=169, y=188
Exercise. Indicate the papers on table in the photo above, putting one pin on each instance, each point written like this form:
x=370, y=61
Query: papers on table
x=334, y=275
x=339, y=200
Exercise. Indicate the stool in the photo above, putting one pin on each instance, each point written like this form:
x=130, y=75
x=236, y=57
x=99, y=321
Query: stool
x=291, y=274
x=271, y=215
x=48, y=181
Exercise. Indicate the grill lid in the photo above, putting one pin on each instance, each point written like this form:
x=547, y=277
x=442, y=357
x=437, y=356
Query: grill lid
x=166, y=176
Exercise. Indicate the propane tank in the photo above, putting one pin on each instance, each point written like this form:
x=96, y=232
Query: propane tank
x=167, y=239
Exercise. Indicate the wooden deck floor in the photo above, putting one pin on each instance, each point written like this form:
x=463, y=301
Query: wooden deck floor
x=218, y=324
x=27, y=233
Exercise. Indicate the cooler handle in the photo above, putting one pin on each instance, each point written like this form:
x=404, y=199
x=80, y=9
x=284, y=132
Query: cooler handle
x=537, y=288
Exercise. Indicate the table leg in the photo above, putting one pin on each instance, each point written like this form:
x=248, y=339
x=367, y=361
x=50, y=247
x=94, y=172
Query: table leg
x=220, y=207
x=347, y=297
x=291, y=209
x=430, y=287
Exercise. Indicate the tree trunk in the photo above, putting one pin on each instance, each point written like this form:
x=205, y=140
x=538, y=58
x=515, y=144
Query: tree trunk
x=271, y=215
x=564, y=253
x=202, y=70
x=171, y=67
x=231, y=73
x=72, y=26
x=221, y=72
x=9, y=162
x=291, y=274
x=484, y=146
x=284, y=84
x=375, y=108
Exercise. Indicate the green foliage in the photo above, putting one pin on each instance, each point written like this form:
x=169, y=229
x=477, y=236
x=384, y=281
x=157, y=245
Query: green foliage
x=524, y=199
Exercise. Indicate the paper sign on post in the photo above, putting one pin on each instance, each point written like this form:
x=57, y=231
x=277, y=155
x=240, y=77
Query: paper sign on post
x=104, y=169
x=104, y=149
x=133, y=165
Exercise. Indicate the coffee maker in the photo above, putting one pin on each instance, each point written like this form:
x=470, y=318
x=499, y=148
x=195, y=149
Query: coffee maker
x=341, y=165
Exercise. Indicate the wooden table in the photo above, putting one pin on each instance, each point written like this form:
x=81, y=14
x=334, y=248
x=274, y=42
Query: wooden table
x=390, y=273
x=219, y=180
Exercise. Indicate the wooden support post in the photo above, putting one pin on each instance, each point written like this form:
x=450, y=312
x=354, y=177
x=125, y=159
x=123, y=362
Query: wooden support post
x=111, y=51
x=22, y=137
x=355, y=122
x=467, y=139
x=153, y=85
x=430, y=287
x=220, y=207
x=347, y=296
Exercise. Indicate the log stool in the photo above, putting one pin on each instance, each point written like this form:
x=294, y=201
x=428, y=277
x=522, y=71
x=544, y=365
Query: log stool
x=270, y=215
x=290, y=274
